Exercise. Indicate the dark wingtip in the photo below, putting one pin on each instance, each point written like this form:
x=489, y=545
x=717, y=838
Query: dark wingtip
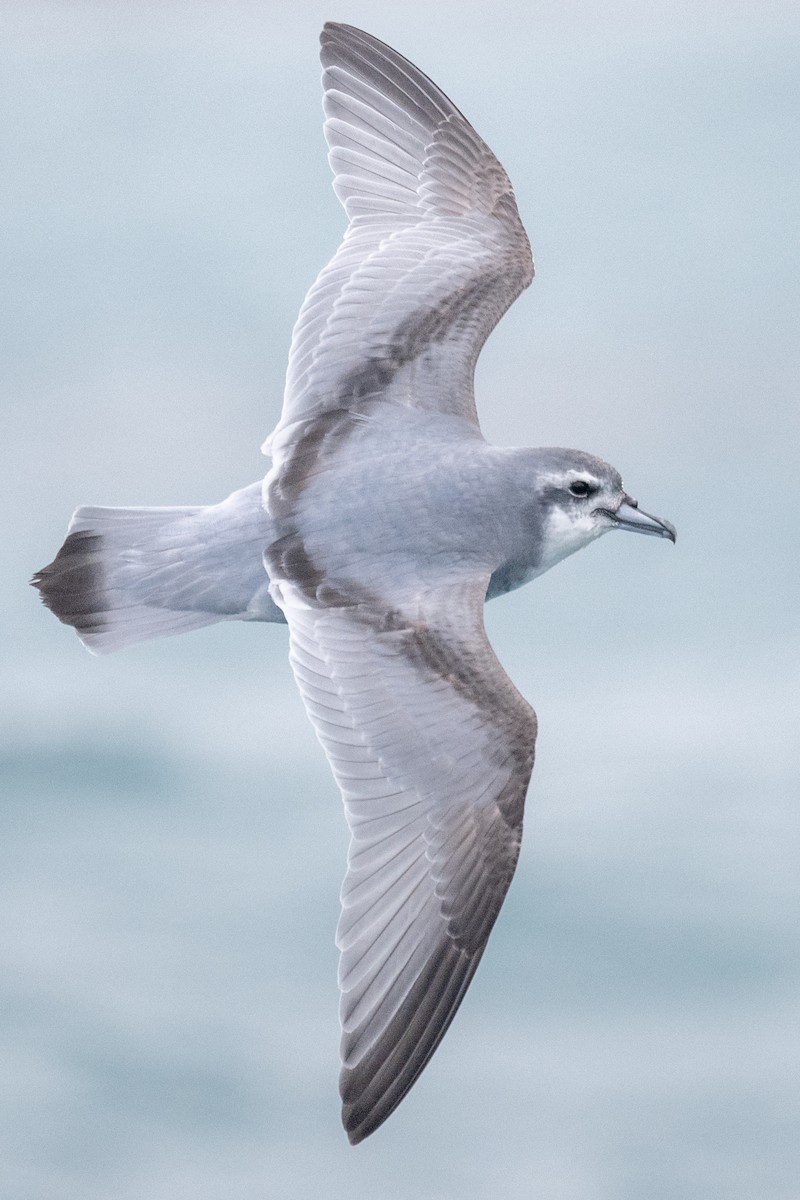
x=331, y=30
x=352, y=1115
x=359, y=1125
x=354, y=1136
x=68, y=585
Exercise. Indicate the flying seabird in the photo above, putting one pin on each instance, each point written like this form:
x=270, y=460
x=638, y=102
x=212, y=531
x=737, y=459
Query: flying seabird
x=385, y=522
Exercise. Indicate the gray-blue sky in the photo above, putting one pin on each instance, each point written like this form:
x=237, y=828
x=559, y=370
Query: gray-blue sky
x=174, y=840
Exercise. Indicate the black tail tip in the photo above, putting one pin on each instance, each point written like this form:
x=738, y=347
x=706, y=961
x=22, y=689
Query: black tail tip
x=68, y=586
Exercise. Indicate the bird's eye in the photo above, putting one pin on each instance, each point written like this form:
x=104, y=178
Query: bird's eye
x=579, y=487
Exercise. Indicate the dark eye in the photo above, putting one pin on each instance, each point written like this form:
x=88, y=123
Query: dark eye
x=579, y=487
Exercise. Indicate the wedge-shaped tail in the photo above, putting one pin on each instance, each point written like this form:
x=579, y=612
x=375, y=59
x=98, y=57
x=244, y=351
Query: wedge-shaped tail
x=127, y=575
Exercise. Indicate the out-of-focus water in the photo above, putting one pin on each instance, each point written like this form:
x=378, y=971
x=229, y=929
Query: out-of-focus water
x=173, y=844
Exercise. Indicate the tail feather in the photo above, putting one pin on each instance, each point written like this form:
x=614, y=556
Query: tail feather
x=126, y=575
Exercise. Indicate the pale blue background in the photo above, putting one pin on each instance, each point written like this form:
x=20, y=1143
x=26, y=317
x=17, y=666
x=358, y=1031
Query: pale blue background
x=173, y=842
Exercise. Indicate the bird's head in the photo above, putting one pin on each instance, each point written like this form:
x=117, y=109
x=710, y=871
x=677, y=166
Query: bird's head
x=581, y=497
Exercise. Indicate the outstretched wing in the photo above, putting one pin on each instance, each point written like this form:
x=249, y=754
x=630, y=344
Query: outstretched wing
x=433, y=255
x=432, y=748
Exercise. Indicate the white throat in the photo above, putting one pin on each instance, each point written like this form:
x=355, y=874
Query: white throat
x=564, y=533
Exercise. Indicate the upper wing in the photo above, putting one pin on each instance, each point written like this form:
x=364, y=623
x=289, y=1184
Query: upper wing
x=433, y=255
x=432, y=748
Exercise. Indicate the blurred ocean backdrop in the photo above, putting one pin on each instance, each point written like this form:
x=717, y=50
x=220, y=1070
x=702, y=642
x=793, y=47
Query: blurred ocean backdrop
x=173, y=842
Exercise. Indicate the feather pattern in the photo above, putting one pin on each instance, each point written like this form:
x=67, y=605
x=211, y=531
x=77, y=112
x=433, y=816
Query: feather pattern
x=435, y=814
x=433, y=255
